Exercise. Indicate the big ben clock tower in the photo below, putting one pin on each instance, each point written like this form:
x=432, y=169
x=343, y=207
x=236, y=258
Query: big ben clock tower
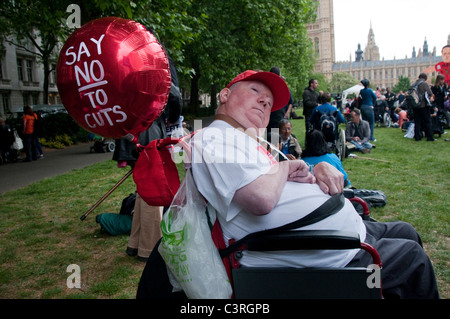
x=372, y=52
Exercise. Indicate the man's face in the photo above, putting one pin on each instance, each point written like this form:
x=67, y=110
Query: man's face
x=446, y=54
x=285, y=130
x=314, y=85
x=249, y=103
x=354, y=117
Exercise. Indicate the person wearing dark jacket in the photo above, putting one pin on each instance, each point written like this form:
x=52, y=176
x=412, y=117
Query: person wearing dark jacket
x=277, y=116
x=422, y=115
x=310, y=101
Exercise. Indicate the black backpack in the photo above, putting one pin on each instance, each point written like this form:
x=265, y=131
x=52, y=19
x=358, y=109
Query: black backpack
x=413, y=98
x=328, y=125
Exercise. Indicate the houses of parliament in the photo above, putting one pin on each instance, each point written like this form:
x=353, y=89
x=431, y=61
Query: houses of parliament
x=367, y=62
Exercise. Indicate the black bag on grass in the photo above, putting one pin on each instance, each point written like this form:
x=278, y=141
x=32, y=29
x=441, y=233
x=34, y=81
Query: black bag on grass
x=127, y=207
x=373, y=197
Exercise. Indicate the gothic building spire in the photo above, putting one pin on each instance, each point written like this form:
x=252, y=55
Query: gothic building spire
x=372, y=52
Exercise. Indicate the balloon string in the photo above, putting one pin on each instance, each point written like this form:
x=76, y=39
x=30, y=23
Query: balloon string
x=139, y=147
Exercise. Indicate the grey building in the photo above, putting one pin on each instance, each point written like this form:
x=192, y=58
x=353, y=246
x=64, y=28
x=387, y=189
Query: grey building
x=22, y=80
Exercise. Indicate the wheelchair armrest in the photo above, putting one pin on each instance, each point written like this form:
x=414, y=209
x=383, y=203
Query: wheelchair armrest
x=349, y=193
x=306, y=240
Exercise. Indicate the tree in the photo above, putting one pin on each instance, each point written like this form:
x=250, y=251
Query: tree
x=40, y=22
x=341, y=81
x=43, y=23
x=259, y=35
x=403, y=84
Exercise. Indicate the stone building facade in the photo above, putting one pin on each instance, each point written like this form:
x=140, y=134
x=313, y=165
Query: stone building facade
x=368, y=63
x=322, y=35
x=22, y=79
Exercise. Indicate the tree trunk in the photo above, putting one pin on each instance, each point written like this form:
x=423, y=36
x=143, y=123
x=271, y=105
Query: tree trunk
x=213, y=97
x=46, y=75
x=194, y=98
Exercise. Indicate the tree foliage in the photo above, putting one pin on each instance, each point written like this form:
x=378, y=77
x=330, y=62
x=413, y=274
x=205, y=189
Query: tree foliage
x=43, y=23
x=210, y=41
x=341, y=81
x=403, y=84
x=258, y=35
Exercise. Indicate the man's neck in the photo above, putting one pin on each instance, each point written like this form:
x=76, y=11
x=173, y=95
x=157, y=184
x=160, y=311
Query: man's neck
x=253, y=133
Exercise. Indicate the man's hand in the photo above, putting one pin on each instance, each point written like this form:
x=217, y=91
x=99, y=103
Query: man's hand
x=329, y=178
x=299, y=172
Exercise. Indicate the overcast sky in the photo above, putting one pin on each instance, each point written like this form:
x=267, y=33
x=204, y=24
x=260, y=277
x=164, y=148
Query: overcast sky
x=398, y=26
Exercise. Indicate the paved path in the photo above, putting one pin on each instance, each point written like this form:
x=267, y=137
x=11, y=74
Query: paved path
x=55, y=162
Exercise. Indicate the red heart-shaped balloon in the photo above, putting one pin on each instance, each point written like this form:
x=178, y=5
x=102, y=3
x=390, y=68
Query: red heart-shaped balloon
x=113, y=77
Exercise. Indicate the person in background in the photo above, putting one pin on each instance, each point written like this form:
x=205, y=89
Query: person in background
x=30, y=149
x=310, y=101
x=145, y=229
x=422, y=114
x=6, y=141
x=391, y=99
x=441, y=91
x=289, y=145
x=325, y=107
x=402, y=116
x=368, y=102
x=283, y=113
x=357, y=132
x=317, y=150
x=38, y=132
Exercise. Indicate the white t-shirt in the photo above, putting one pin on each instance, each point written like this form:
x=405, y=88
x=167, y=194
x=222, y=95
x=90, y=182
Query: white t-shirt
x=225, y=159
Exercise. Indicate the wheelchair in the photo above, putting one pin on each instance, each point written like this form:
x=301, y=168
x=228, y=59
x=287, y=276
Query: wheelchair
x=336, y=142
x=281, y=282
x=102, y=145
x=302, y=283
x=335, y=138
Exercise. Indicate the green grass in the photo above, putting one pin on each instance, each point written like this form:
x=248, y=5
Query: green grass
x=41, y=232
x=416, y=180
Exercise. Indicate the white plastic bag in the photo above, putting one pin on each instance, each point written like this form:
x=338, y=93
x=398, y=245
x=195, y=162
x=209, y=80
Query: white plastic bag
x=410, y=131
x=191, y=257
x=17, y=144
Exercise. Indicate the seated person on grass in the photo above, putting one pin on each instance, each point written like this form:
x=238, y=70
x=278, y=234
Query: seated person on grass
x=251, y=191
x=288, y=143
x=317, y=150
x=357, y=132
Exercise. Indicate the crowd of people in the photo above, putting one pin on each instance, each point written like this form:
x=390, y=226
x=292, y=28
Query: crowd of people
x=27, y=141
x=386, y=108
x=361, y=115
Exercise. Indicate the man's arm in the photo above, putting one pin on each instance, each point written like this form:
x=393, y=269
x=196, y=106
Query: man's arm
x=261, y=196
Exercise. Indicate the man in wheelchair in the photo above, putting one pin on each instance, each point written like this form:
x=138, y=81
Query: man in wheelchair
x=252, y=192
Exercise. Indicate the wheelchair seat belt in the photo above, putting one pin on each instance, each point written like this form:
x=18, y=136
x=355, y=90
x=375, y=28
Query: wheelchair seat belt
x=330, y=207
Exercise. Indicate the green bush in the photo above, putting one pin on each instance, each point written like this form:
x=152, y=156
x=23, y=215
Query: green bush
x=60, y=130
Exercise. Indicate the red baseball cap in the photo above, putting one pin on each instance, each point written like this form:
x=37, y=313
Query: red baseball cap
x=276, y=84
